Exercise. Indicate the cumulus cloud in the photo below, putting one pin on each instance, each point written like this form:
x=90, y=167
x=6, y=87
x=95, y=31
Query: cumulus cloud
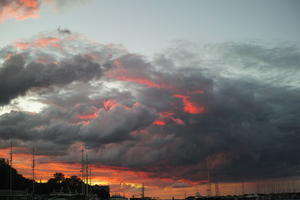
x=24, y=9
x=170, y=117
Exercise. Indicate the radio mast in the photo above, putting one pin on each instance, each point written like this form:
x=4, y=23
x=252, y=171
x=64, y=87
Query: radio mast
x=10, y=171
x=87, y=174
x=82, y=171
x=33, y=175
x=143, y=191
x=208, y=178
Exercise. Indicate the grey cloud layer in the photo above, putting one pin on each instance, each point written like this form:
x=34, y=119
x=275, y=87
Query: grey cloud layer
x=17, y=77
x=249, y=129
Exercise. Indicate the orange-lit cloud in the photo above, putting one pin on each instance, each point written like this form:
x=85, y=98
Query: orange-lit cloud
x=167, y=116
x=90, y=116
x=22, y=45
x=189, y=106
x=159, y=123
x=24, y=9
x=170, y=115
x=110, y=104
x=48, y=41
x=19, y=9
x=30, y=3
x=122, y=74
x=38, y=43
x=178, y=121
x=139, y=80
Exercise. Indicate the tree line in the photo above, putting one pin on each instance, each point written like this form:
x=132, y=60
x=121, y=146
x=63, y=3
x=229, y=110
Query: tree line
x=57, y=184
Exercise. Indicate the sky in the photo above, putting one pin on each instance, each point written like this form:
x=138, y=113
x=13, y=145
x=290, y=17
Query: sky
x=155, y=92
x=148, y=26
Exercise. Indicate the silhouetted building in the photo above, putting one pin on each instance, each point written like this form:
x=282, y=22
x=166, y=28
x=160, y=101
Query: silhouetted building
x=118, y=197
x=14, y=195
x=144, y=198
x=102, y=191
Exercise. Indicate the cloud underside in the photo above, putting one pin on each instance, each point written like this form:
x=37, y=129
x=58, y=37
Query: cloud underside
x=233, y=107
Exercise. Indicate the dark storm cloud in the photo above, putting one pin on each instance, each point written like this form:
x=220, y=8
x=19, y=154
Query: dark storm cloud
x=59, y=125
x=117, y=125
x=17, y=77
x=247, y=130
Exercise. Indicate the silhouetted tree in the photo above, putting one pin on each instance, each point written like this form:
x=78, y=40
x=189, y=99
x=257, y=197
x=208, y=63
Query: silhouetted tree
x=18, y=181
x=55, y=183
x=73, y=183
x=59, y=177
x=58, y=183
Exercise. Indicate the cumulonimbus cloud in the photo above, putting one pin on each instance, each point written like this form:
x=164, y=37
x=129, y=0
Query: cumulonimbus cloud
x=169, y=116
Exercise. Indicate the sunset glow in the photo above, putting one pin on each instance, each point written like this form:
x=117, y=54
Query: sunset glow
x=122, y=74
x=159, y=123
x=30, y=3
x=189, y=106
x=20, y=10
x=162, y=99
x=109, y=104
x=90, y=116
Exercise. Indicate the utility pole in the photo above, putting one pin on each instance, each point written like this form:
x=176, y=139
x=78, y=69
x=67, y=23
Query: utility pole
x=258, y=187
x=33, y=175
x=217, y=191
x=10, y=171
x=90, y=172
x=82, y=171
x=143, y=191
x=243, y=187
x=293, y=186
x=90, y=176
x=87, y=174
x=208, y=178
